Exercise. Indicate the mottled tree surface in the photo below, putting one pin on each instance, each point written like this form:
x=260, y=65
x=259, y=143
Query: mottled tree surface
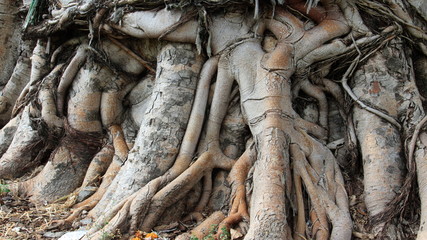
x=282, y=120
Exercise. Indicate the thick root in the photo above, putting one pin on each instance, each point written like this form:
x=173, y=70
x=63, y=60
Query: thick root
x=170, y=106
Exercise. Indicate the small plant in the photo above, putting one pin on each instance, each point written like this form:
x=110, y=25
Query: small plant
x=107, y=236
x=194, y=237
x=225, y=234
x=212, y=232
x=4, y=188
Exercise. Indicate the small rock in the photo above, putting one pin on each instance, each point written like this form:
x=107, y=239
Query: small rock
x=76, y=224
x=86, y=221
x=53, y=234
x=5, y=209
x=14, y=219
x=85, y=193
x=235, y=234
x=76, y=235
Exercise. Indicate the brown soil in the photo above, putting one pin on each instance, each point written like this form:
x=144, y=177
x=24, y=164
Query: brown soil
x=20, y=219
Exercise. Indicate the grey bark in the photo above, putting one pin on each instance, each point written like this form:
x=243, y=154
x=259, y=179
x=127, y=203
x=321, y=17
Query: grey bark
x=159, y=137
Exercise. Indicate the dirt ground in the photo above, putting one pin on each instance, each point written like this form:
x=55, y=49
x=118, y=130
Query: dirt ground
x=21, y=219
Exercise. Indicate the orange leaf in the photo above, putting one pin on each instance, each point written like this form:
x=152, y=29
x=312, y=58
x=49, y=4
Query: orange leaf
x=152, y=235
x=139, y=234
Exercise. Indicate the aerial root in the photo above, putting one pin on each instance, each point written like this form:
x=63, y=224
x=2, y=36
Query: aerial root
x=317, y=213
x=318, y=94
x=237, y=179
x=204, y=199
x=327, y=197
x=68, y=76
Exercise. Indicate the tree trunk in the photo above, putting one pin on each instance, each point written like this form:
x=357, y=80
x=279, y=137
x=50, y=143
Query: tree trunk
x=244, y=117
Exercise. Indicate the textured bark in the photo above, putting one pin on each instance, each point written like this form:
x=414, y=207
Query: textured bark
x=383, y=177
x=163, y=125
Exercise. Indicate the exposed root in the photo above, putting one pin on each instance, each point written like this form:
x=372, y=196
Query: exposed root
x=47, y=101
x=98, y=166
x=39, y=61
x=204, y=199
x=291, y=170
x=68, y=76
x=317, y=93
x=151, y=200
